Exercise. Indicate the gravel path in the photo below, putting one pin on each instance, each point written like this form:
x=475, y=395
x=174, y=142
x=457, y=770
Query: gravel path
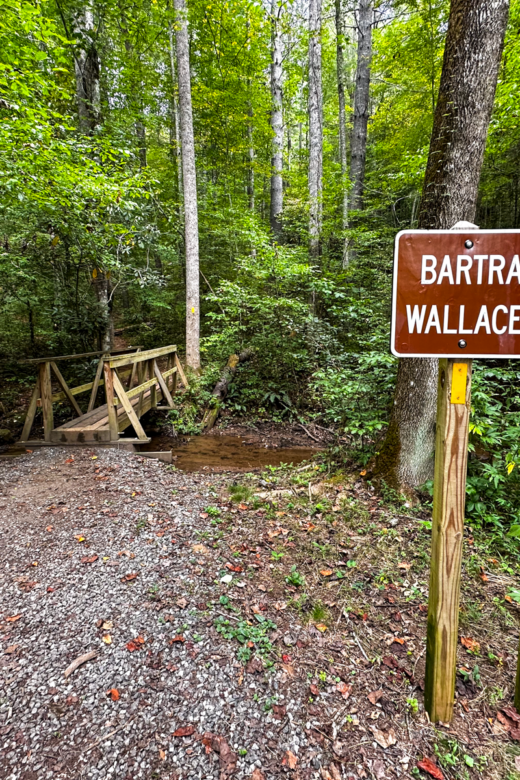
x=97, y=554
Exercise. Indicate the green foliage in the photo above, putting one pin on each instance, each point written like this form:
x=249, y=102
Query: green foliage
x=295, y=578
x=244, y=633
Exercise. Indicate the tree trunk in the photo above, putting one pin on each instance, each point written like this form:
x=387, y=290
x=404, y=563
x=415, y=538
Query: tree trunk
x=342, y=121
x=86, y=69
x=315, y=128
x=276, y=121
x=175, y=118
x=251, y=156
x=189, y=178
x=102, y=287
x=361, y=100
x=221, y=389
x=472, y=57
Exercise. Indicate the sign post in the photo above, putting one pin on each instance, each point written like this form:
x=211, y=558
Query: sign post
x=456, y=296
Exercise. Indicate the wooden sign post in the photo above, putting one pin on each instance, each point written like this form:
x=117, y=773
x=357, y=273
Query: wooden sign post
x=456, y=296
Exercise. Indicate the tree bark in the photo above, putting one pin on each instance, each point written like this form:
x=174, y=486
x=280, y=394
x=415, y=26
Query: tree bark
x=176, y=145
x=86, y=70
x=103, y=290
x=251, y=160
x=221, y=389
x=189, y=178
x=315, y=128
x=342, y=122
x=276, y=121
x=472, y=55
x=361, y=102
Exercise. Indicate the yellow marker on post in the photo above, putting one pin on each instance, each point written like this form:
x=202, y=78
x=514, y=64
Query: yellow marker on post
x=458, y=383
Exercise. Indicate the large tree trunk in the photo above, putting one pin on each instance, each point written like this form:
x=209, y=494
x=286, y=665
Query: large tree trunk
x=472, y=56
x=86, y=69
x=189, y=178
x=276, y=121
x=103, y=292
x=315, y=128
x=342, y=121
x=358, y=149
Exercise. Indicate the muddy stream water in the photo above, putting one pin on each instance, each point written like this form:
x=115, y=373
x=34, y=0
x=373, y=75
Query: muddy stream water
x=223, y=453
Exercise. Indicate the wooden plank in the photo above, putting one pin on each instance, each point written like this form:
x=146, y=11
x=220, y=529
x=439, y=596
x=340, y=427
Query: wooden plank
x=164, y=387
x=31, y=412
x=140, y=388
x=83, y=388
x=153, y=388
x=140, y=357
x=133, y=375
x=451, y=456
x=80, y=436
x=95, y=385
x=129, y=409
x=44, y=371
x=109, y=395
x=181, y=372
x=169, y=373
x=79, y=355
x=65, y=388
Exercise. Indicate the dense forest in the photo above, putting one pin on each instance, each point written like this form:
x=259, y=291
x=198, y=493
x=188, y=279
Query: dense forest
x=281, y=146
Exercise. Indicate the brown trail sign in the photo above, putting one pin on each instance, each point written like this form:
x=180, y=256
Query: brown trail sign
x=456, y=296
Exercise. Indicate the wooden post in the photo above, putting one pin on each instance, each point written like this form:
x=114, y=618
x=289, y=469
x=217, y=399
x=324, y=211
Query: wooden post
x=46, y=398
x=31, y=412
x=127, y=406
x=163, y=384
x=451, y=457
x=109, y=394
x=95, y=386
x=64, y=386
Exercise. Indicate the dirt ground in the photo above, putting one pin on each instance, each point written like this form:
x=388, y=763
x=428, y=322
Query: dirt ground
x=235, y=626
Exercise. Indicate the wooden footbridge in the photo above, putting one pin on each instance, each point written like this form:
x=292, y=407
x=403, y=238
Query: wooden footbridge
x=133, y=383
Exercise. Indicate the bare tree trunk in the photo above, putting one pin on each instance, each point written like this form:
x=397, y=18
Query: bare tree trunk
x=103, y=290
x=251, y=169
x=140, y=131
x=315, y=128
x=342, y=121
x=86, y=69
x=189, y=178
x=472, y=57
x=276, y=121
x=361, y=102
x=175, y=118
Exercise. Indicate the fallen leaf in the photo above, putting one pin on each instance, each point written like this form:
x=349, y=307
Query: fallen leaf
x=107, y=625
x=484, y=577
x=384, y=738
x=89, y=559
x=326, y=572
x=204, y=515
x=374, y=696
x=178, y=638
x=114, y=694
x=314, y=690
x=182, y=603
x=11, y=649
x=50, y=590
x=162, y=755
x=469, y=643
x=404, y=565
x=49, y=528
x=107, y=639
x=344, y=689
x=321, y=627
x=279, y=605
x=279, y=711
x=184, y=731
x=257, y=775
x=13, y=618
x=79, y=538
x=511, y=713
x=233, y=568
x=363, y=473
x=129, y=577
x=135, y=644
x=432, y=769
x=243, y=507
x=290, y=760
x=286, y=658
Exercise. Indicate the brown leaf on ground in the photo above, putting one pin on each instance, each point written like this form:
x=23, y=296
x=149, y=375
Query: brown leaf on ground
x=114, y=694
x=511, y=713
x=135, y=644
x=255, y=665
x=200, y=548
x=314, y=689
x=374, y=696
x=162, y=755
x=290, y=760
x=432, y=769
x=469, y=643
x=279, y=711
x=11, y=649
x=178, y=638
x=257, y=775
x=89, y=559
x=326, y=572
x=390, y=661
x=344, y=689
x=384, y=738
x=13, y=618
x=184, y=731
x=325, y=774
x=182, y=603
x=130, y=577
x=378, y=770
x=230, y=567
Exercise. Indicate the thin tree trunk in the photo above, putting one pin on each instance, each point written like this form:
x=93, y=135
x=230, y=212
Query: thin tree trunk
x=189, y=178
x=472, y=57
x=342, y=121
x=86, y=70
x=315, y=128
x=358, y=147
x=251, y=168
x=276, y=121
x=102, y=287
x=175, y=117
